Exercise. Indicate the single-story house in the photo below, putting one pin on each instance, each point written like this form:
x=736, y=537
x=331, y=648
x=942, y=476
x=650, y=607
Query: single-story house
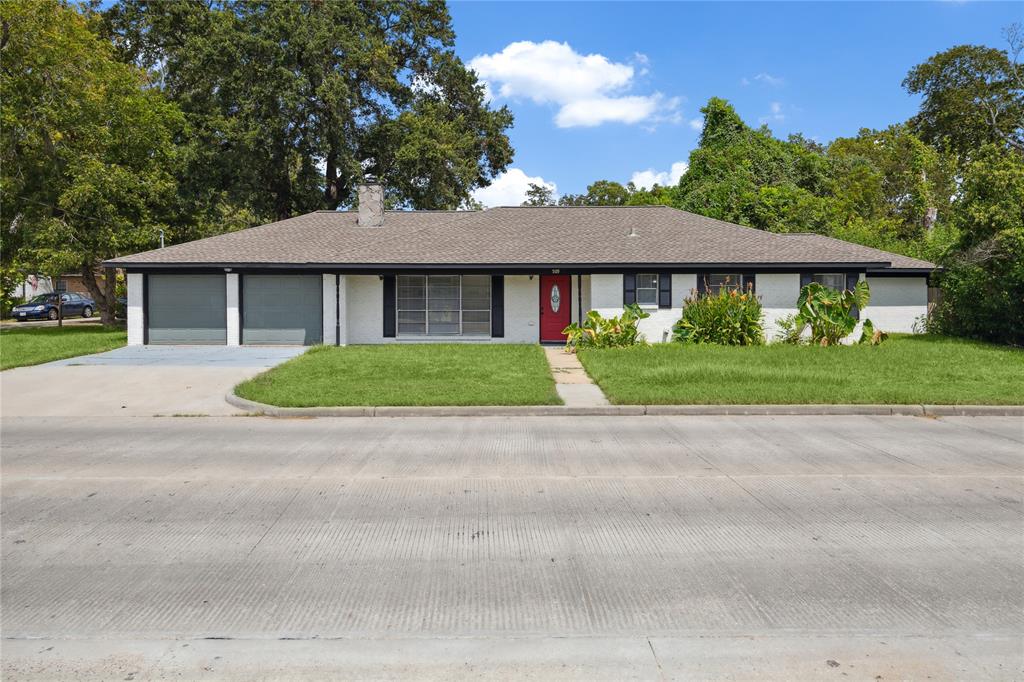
x=506, y=275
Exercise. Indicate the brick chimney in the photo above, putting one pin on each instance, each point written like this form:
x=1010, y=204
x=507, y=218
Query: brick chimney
x=371, y=202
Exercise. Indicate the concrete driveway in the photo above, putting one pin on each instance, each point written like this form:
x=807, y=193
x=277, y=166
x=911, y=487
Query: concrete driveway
x=826, y=548
x=137, y=381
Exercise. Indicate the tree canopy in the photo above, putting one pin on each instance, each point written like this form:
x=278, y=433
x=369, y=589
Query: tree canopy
x=290, y=103
x=86, y=148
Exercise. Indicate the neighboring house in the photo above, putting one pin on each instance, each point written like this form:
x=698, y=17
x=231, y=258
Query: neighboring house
x=512, y=275
x=39, y=284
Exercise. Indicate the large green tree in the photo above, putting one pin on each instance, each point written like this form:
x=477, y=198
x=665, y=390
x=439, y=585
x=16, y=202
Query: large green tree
x=86, y=148
x=972, y=95
x=290, y=103
x=983, y=279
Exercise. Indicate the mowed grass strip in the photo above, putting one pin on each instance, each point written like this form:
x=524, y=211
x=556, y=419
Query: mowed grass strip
x=434, y=374
x=22, y=346
x=904, y=370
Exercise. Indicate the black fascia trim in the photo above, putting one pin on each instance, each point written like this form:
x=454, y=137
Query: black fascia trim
x=506, y=268
x=902, y=272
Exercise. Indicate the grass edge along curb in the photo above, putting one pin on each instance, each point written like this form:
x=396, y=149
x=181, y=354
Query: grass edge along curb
x=261, y=409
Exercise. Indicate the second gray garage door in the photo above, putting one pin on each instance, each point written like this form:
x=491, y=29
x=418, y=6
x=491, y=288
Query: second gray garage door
x=186, y=309
x=282, y=309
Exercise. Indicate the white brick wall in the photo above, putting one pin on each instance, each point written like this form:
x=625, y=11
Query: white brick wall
x=330, y=309
x=896, y=302
x=522, y=309
x=778, y=293
x=234, y=318
x=364, y=309
x=136, y=323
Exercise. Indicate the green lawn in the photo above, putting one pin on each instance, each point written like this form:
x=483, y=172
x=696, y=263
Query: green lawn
x=436, y=374
x=20, y=346
x=905, y=369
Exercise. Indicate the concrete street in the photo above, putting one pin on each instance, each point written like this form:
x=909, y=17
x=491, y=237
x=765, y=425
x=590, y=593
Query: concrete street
x=845, y=548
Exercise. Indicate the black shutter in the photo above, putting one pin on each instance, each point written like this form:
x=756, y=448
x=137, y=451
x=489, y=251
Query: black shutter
x=664, y=290
x=389, y=306
x=851, y=281
x=628, y=288
x=750, y=280
x=498, y=306
x=702, y=283
x=806, y=278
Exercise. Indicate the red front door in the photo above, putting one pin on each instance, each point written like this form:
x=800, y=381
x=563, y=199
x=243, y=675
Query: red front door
x=555, y=306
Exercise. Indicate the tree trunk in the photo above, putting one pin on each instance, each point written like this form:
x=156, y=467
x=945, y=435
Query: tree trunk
x=105, y=298
x=331, y=193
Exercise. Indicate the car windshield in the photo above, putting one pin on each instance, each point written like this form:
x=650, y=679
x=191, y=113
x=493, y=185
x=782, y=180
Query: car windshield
x=42, y=298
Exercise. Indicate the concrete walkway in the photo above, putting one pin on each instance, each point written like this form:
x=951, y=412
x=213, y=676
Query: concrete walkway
x=571, y=380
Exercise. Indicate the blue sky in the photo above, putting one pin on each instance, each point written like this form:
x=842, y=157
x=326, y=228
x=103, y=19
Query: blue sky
x=606, y=90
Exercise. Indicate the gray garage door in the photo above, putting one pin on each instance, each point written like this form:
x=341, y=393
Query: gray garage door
x=282, y=309
x=187, y=309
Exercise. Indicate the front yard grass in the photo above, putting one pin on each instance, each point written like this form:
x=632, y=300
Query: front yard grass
x=21, y=346
x=906, y=369
x=434, y=374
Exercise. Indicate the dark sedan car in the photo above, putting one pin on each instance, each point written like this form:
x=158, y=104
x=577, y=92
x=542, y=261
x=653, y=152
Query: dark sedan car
x=44, y=307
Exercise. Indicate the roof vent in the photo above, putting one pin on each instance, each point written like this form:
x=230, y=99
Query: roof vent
x=632, y=232
x=371, y=202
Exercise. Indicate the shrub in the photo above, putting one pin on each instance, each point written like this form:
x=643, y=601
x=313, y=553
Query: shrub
x=829, y=315
x=983, y=291
x=728, y=318
x=602, y=332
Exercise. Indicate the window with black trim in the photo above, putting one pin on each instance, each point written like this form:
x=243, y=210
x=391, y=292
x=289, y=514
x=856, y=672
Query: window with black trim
x=443, y=305
x=832, y=280
x=647, y=289
x=716, y=282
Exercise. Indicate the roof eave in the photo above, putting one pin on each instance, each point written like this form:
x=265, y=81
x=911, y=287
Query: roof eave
x=769, y=266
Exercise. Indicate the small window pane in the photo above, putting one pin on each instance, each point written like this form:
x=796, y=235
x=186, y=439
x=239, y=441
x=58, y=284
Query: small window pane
x=647, y=296
x=832, y=280
x=476, y=292
x=646, y=281
x=409, y=329
x=443, y=322
x=443, y=292
x=476, y=322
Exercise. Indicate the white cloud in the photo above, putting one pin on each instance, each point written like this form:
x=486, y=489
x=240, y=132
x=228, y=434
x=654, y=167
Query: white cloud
x=696, y=124
x=509, y=188
x=764, y=79
x=650, y=177
x=598, y=110
x=588, y=89
x=776, y=114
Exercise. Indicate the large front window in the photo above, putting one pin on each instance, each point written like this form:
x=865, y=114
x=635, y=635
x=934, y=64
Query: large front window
x=444, y=305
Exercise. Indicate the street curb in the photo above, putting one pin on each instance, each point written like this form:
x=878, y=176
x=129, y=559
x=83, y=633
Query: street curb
x=256, y=408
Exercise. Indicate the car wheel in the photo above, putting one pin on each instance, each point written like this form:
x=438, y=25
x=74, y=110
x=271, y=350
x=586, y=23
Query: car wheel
x=52, y=314
x=86, y=311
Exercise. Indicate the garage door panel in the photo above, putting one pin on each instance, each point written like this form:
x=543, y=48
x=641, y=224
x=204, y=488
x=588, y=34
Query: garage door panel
x=187, y=309
x=282, y=310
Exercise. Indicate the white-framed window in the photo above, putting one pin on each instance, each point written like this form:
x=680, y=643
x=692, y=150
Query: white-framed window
x=647, y=289
x=716, y=282
x=832, y=280
x=443, y=305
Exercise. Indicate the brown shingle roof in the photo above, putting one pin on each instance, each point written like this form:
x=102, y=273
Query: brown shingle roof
x=515, y=236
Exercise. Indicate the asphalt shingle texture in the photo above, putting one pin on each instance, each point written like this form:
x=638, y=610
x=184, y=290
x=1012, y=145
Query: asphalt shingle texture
x=516, y=236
